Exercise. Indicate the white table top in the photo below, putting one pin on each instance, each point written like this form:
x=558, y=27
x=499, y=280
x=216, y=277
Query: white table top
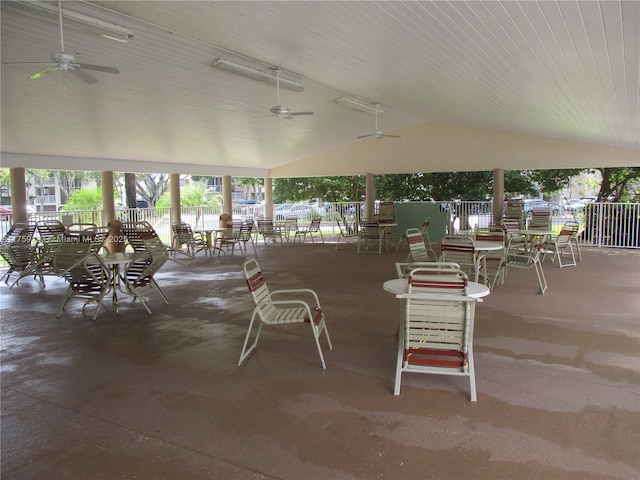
x=533, y=232
x=121, y=257
x=398, y=286
x=210, y=230
x=488, y=245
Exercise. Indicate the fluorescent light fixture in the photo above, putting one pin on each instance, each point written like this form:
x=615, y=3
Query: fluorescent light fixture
x=106, y=29
x=363, y=107
x=257, y=74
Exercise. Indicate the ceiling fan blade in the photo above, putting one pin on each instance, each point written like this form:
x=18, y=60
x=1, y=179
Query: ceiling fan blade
x=84, y=76
x=364, y=136
x=99, y=68
x=42, y=73
x=391, y=136
x=301, y=113
x=26, y=63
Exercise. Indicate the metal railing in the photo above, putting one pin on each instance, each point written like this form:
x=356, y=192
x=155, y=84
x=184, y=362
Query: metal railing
x=602, y=224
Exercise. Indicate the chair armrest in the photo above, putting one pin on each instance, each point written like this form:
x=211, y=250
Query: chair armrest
x=298, y=290
x=267, y=303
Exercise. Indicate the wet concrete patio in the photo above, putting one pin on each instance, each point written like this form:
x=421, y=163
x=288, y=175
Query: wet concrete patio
x=161, y=396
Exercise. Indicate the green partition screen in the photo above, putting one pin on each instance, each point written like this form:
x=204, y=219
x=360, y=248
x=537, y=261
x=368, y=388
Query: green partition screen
x=412, y=215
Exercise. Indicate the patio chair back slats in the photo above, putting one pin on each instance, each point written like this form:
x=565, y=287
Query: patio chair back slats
x=437, y=332
x=461, y=250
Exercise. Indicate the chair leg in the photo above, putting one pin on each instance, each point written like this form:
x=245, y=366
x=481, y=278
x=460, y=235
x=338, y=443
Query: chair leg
x=541, y=278
x=472, y=374
x=575, y=240
x=160, y=291
x=67, y=296
x=399, y=360
x=316, y=334
x=323, y=326
x=99, y=300
x=245, y=352
x=573, y=257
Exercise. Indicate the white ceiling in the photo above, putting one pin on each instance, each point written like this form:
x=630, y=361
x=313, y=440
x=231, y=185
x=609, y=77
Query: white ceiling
x=568, y=70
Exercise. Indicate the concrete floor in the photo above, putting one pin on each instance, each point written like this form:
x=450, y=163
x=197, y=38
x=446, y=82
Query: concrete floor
x=161, y=396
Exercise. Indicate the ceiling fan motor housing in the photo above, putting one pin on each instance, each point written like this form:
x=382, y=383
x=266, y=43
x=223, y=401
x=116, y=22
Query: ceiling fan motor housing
x=63, y=59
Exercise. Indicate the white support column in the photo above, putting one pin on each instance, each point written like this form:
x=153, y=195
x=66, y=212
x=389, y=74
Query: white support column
x=498, y=194
x=18, y=191
x=370, y=195
x=227, y=200
x=174, y=193
x=268, y=197
x=108, y=206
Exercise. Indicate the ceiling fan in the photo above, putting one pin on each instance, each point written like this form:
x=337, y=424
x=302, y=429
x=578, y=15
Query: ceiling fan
x=67, y=62
x=280, y=111
x=377, y=133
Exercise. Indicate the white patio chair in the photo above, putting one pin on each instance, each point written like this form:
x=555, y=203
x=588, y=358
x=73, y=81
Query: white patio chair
x=518, y=258
x=18, y=251
x=183, y=234
x=461, y=250
x=281, y=307
x=559, y=245
x=269, y=231
x=575, y=229
x=245, y=235
x=289, y=227
x=418, y=251
x=515, y=212
x=311, y=229
x=494, y=261
x=346, y=230
x=540, y=219
x=139, y=274
x=89, y=278
x=425, y=232
x=230, y=237
x=370, y=238
x=437, y=332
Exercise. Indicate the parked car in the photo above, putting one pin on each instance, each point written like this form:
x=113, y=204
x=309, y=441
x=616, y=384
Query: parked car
x=536, y=204
x=5, y=211
x=574, y=205
x=298, y=210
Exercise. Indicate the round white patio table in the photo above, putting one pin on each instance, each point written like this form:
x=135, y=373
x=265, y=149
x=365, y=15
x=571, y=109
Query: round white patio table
x=533, y=232
x=398, y=286
x=117, y=262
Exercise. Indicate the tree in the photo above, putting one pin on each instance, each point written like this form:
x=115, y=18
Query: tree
x=552, y=180
x=253, y=183
x=69, y=179
x=152, y=186
x=130, y=190
x=191, y=196
x=85, y=199
x=330, y=189
x=619, y=184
